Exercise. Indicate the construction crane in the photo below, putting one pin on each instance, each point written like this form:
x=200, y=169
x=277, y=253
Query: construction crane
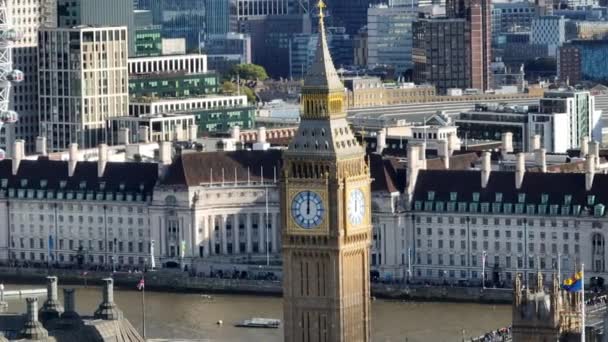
x=8, y=75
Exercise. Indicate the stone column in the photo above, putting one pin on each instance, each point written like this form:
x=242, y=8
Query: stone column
x=235, y=233
x=205, y=237
x=224, y=235
x=248, y=232
x=212, y=234
x=261, y=233
x=279, y=232
x=273, y=232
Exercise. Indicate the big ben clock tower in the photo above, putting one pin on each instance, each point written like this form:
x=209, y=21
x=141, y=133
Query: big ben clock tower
x=325, y=202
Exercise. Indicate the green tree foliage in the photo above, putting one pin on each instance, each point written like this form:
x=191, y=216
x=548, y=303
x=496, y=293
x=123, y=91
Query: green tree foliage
x=230, y=88
x=249, y=72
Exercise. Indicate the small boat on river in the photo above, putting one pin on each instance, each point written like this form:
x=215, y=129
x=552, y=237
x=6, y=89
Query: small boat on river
x=258, y=322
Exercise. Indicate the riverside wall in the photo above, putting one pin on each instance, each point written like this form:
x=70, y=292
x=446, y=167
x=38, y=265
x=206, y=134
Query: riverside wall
x=181, y=282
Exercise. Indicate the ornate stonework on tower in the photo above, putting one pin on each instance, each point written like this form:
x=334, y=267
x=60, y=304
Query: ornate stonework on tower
x=325, y=202
x=540, y=316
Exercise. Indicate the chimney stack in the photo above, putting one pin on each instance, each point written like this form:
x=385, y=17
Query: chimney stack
x=444, y=153
x=144, y=134
x=261, y=144
x=507, y=142
x=69, y=299
x=520, y=170
x=33, y=329
x=589, y=171
x=261, y=135
x=380, y=141
x=108, y=310
x=414, y=165
x=52, y=307
x=73, y=158
x=41, y=146
x=102, y=159
x=18, y=154
x=235, y=133
x=535, y=142
x=123, y=136
x=452, y=140
x=540, y=157
x=486, y=168
x=165, y=152
x=594, y=150
x=192, y=132
x=584, y=147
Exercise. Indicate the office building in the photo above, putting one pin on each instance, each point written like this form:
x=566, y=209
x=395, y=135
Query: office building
x=549, y=31
x=508, y=17
x=80, y=88
x=575, y=116
x=478, y=16
x=213, y=113
x=180, y=19
x=148, y=41
x=583, y=60
x=270, y=37
x=27, y=17
x=223, y=51
x=131, y=130
x=389, y=36
x=182, y=84
x=560, y=121
x=72, y=13
x=440, y=53
x=350, y=14
x=302, y=50
x=370, y=91
x=459, y=62
x=587, y=30
x=246, y=9
x=220, y=17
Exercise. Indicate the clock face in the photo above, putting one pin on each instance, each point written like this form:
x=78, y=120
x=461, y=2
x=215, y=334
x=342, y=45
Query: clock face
x=307, y=209
x=356, y=206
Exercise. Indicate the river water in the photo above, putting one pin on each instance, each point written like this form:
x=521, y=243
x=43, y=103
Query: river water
x=191, y=316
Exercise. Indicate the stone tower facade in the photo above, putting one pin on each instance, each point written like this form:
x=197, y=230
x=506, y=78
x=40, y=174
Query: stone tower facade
x=540, y=316
x=326, y=200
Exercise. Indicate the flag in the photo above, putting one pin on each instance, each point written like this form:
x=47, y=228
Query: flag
x=141, y=285
x=574, y=283
x=51, y=247
x=484, y=255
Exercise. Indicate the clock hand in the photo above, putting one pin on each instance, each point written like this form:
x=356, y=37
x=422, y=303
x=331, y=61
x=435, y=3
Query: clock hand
x=308, y=204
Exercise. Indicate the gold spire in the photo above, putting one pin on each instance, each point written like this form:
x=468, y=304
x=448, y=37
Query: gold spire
x=321, y=6
x=322, y=74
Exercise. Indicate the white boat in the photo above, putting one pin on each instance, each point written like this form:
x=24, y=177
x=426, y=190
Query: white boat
x=258, y=322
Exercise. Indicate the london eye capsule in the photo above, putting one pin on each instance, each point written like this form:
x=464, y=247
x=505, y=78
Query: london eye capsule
x=10, y=34
x=9, y=116
x=15, y=76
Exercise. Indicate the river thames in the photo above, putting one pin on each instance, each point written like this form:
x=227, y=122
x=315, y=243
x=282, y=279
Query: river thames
x=191, y=316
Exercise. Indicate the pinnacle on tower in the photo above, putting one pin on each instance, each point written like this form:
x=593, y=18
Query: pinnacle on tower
x=322, y=74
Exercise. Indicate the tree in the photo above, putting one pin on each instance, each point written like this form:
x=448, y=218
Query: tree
x=249, y=72
x=230, y=88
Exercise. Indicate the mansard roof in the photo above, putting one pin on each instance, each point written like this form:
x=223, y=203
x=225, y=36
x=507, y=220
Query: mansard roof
x=555, y=187
x=192, y=169
x=52, y=175
x=384, y=174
